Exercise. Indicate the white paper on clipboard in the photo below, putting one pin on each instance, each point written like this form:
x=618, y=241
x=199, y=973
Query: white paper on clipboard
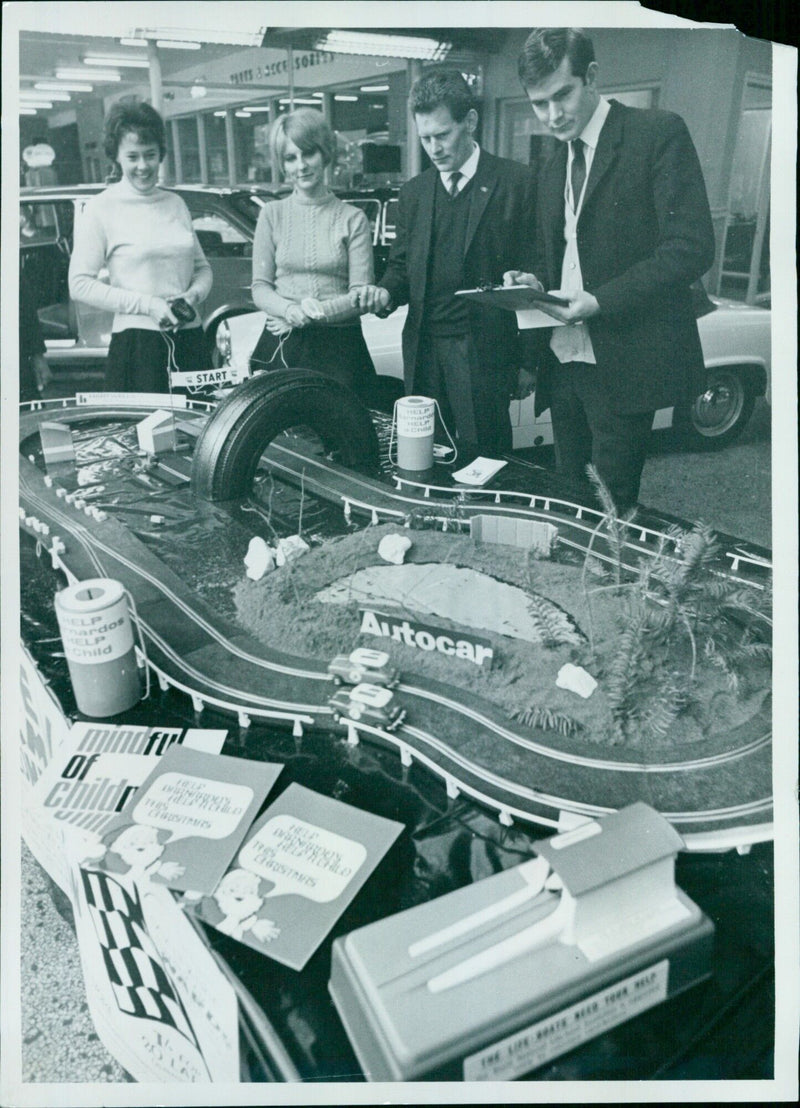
x=535, y=317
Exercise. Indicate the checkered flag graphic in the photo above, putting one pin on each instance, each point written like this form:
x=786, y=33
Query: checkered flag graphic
x=140, y=984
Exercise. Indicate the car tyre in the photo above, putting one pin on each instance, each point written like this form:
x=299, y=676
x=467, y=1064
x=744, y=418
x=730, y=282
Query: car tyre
x=718, y=416
x=245, y=423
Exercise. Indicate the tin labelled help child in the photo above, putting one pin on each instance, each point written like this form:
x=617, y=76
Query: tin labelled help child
x=416, y=420
x=96, y=631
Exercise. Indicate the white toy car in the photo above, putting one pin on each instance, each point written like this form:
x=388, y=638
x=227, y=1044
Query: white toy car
x=364, y=665
x=366, y=703
x=736, y=341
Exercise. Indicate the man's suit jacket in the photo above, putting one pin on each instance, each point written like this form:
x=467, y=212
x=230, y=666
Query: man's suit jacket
x=644, y=235
x=499, y=237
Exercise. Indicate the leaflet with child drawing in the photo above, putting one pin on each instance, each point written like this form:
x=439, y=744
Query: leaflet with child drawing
x=187, y=819
x=301, y=866
x=89, y=780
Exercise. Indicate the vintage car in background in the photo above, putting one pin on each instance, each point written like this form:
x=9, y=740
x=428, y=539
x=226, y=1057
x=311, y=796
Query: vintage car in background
x=372, y=704
x=736, y=340
x=363, y=665
x=225, y=221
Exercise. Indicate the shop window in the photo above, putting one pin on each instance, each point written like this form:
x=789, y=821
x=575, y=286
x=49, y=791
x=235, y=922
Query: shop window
x=216, y=149
x=189, y=150
x=526, y=140
x=251, y=138
x=744, y=272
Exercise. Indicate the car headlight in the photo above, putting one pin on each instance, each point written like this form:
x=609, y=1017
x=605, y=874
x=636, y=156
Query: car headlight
x=223, y=342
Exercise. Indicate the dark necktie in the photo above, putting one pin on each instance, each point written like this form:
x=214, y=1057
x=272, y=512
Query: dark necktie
x=452, y=188
x=578, y=172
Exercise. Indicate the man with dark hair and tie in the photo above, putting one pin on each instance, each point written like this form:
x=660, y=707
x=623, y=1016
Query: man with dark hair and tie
x=461, y=223
x=623, y=230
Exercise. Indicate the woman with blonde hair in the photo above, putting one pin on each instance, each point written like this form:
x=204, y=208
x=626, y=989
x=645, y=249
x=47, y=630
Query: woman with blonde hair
x=310, y=251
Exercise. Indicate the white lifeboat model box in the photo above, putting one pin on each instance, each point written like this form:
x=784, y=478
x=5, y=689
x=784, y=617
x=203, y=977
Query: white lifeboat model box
x=492, y=981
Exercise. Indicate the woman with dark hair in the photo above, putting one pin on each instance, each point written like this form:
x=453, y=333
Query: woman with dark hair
x=310, y=251
x=143, y=236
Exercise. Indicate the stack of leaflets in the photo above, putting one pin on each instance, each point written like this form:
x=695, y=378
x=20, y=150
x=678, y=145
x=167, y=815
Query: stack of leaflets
x=478, y=472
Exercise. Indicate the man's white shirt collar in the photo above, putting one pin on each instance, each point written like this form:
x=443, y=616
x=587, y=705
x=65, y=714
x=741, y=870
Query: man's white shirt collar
x=591, y=132
x=467, y=170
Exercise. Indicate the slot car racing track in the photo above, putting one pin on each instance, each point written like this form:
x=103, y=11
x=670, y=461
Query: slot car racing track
x=186, y=645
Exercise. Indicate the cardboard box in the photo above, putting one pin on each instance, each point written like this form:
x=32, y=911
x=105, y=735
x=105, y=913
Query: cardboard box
x=493, y=980
x=527, y=534
x=156, y=433
x=56, y=439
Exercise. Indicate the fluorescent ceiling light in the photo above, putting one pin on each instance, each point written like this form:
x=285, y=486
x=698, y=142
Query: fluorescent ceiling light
x=242, y=115
x=221, y=114
x=257, y=108
x=32, y=111
x=232, y=17
x=299, y=100
x=67, y=74
x=341, y=96
x=133, y=42
x=123, y=63
x=58, y=86
x=176, y=44
x=33, y=97
x=373, y=88
x=384, y=46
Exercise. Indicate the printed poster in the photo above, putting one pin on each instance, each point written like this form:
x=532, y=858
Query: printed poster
x=186, y=821
x=157, y=998
x=302, y=864
x=94, y=773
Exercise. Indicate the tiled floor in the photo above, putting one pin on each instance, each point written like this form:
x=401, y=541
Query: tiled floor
x=59, y=1041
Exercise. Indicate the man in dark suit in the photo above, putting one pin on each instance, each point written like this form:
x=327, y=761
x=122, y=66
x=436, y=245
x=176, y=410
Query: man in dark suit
x=623, y=229
x=460, y=224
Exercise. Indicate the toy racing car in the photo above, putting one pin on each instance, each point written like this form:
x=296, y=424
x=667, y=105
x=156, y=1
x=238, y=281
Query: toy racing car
x=367, y=704
x=364, y=665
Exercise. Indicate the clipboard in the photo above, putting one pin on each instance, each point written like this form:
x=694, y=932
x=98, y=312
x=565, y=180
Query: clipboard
x=513, y=298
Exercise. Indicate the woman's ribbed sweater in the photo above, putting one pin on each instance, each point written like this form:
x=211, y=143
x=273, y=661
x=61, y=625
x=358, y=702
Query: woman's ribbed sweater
x=320, y=248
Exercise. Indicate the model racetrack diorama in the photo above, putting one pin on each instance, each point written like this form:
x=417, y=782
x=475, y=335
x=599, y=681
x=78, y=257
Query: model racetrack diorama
x=547, y=659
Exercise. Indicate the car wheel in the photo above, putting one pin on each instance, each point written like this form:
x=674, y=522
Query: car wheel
x=354, y=713
x=719, y=415
x=246, y=422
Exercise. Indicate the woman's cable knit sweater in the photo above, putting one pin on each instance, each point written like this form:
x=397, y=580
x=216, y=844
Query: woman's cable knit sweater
x=312, y=248
x=147, y=242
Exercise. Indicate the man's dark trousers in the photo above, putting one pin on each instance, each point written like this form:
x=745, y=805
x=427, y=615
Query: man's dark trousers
x=588, y=428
